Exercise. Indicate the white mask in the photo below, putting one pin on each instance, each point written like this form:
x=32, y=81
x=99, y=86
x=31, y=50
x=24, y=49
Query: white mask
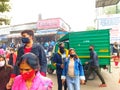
x=2, y=63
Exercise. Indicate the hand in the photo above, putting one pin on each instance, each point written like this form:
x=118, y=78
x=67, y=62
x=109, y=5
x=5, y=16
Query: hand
x=119, y=81
x=86, y=62
x=82, y=82
x=9, y=85
x=62, y=66
x=63, y=81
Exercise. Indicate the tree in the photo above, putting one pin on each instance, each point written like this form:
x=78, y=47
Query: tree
x=90, y=28
x=110, y=9
x=4, y=7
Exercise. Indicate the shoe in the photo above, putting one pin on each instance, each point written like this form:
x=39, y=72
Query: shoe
x=102, y=85
x=105, y=68
x=83, y=83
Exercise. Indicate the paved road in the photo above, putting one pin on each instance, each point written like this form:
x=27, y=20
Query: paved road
x=110, y=78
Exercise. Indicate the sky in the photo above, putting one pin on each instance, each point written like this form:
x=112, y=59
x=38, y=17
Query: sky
x=77, y=13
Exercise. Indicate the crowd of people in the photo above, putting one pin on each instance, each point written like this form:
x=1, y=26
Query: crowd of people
x=28, y=66
x=25, y=68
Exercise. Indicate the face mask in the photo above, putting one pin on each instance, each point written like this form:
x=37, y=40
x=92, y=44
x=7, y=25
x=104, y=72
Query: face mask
x=25, y=40
x=62, y=50
x=90, y=49
x=72, y=55
x=2, y=63
x=28, y=75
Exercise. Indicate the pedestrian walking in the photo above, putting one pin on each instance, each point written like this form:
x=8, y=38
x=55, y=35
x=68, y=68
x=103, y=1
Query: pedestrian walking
x=5, y=72
x=115, y=54
x=73, y=71
x=30, y=77
x=29, y=46
x=59, y=59
x=94, y=66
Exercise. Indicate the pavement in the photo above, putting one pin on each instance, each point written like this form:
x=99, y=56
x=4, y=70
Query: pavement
x=111, y=79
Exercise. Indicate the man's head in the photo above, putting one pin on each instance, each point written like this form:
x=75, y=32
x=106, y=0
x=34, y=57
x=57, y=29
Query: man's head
x=27, y=36
x=91, y=47
x=12, y=50
x=61, y=47
x=61, y=44
x=116, y=44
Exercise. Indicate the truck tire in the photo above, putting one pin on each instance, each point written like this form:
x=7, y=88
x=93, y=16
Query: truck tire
x=86, y=69
x=50, y=70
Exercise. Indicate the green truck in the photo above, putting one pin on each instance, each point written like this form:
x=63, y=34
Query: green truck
x=81, y=41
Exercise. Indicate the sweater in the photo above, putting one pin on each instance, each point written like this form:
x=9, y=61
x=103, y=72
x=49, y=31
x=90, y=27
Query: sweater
x=38, y=83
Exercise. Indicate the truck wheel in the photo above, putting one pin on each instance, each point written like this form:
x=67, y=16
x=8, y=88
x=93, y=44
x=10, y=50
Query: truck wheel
x=50, y=71
x=86, y=69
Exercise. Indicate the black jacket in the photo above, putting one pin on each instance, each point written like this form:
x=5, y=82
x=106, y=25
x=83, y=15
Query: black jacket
x=93, y=59
x=37, y=50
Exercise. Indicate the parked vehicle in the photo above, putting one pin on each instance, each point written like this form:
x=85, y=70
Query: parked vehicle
x=81, y=41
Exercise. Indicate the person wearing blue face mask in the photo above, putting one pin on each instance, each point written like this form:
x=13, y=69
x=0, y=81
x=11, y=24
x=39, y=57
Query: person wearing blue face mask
x=29, y=46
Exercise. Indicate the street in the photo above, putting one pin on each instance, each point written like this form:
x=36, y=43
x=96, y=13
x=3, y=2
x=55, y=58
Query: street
x=110, y=78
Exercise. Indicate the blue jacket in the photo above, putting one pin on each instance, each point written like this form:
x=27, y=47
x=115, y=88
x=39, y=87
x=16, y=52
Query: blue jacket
x=78, y=68
x=58, y=60
x=93, y=59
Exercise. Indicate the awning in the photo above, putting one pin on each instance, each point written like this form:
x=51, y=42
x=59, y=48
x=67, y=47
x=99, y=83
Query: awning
x=15, y=35
x=64, y=38
x=103, y=3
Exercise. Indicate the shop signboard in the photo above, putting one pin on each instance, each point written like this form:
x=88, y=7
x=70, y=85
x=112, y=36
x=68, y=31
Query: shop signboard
x=108, y=21
x=52, y=23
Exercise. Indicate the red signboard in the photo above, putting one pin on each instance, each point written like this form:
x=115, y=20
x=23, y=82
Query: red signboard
x=49, y=23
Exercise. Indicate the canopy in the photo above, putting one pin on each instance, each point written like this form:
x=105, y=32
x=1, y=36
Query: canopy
x=64, y=38
x=103, y=3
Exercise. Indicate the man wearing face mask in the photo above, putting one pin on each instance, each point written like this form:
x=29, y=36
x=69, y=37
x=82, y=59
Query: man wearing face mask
x=29, y=46
x=59, y=59
x=94, y=66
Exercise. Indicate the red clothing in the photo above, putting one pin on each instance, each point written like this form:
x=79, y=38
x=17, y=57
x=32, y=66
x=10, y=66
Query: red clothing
x=14, y=57
x=116, y=60
x=27, y=50
x=38, y=83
